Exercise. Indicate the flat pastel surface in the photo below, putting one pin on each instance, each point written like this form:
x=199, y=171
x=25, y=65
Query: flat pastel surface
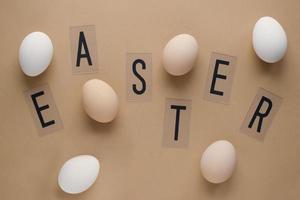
x=134, y=164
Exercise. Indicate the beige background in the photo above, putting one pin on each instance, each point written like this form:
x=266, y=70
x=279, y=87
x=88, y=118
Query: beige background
x=134, y=164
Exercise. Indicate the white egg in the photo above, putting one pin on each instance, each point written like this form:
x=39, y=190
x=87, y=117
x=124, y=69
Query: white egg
x=78, y=174
x=179, y=55
x=35, y=53
x=269, y=40
x=218, y=161
x=100, y=101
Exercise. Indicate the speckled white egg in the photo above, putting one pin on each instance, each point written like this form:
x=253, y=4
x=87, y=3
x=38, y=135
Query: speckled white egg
x=218, y=161
x=35, y=53
x=179, y=54
x=78, y=174
x=100, y=101
x=269, y=40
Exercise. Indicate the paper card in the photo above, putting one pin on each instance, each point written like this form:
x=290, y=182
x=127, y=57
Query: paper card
x=139, y=76
x=43, y=109
x=261, y=114
x=83, y=49
x=177, y=123
x=220, y=78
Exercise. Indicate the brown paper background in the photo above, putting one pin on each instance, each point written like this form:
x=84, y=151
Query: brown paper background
x=134, y=165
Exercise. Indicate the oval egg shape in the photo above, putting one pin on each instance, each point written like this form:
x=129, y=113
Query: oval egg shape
x=78, y=174
x=218, y=161
x=35, y=53
x=269, y=40
x=100, y=101
x=179, y=54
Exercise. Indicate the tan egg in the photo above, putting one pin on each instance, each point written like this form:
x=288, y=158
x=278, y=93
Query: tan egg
x=218, y=161
x=100, y=101
x=179, y=55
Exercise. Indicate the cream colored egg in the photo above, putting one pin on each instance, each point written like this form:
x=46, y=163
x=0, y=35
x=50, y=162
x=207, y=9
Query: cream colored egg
x=179, y=55
x=218, y=161
x=100, y=101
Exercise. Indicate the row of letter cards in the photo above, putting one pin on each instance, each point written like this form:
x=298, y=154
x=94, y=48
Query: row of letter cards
x=217, y=89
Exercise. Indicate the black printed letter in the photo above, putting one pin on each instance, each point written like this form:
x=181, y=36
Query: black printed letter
x=261, y=115
x=216, y=75
x=139, y=92
x=86, y=50
x=178, y=108
x=40, y=109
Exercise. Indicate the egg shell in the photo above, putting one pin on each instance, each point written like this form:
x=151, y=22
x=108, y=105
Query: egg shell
x=269, y=40
x=218, y=161
x=179, y=54
x=35, y=53
x=78, y=174
x=100, y=101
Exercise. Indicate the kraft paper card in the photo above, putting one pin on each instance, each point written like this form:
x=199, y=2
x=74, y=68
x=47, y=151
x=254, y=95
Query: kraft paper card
x=261, y=114
x=83, y=49
x=177, y=123
x=220, y=78
x=139, y=76
x=43, y=109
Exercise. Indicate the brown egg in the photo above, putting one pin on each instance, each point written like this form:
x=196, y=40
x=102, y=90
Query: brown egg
x=218, y=161
x=100, y=101
x=180, y=54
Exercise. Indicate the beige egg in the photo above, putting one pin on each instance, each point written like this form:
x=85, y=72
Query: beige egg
x=179, y=55
x=100, y=101
x=218, y=161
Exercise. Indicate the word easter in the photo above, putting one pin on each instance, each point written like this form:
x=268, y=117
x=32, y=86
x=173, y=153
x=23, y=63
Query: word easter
x=217, y=89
